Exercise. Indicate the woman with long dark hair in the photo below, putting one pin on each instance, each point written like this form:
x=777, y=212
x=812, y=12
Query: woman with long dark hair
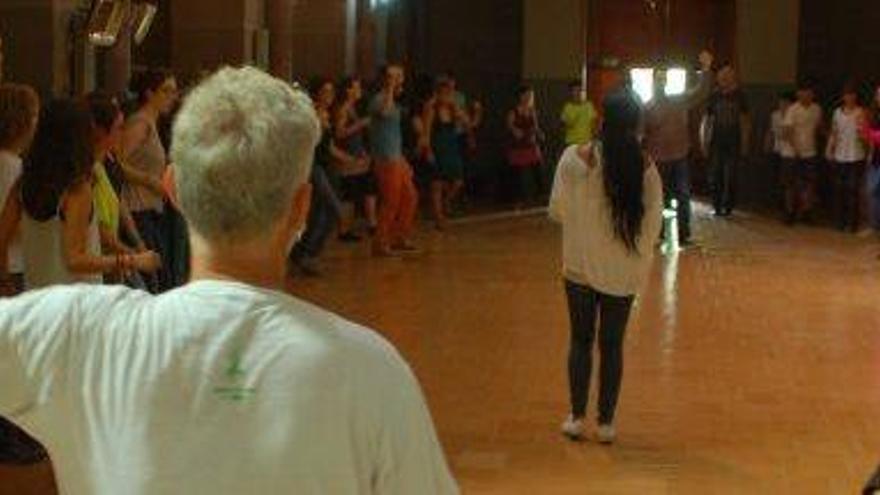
x=608, y=197
x=119, y=234
x=55, y=205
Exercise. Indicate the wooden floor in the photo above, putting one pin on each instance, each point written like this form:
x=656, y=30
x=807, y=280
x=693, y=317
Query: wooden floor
x=753, y=364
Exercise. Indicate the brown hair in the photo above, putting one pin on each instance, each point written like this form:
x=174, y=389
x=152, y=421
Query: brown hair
x=19, y=106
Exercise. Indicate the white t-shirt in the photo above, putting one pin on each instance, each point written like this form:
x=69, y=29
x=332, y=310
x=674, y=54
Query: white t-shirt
x=214, y=388
x=848, y=144
x=780, y=144
x=592, y=254
x=10, y=170
x=804, y=123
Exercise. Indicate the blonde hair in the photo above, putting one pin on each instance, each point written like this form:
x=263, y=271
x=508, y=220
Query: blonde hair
x=242, y=144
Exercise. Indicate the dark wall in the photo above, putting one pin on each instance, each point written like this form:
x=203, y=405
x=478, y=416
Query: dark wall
x=839, y=41
x=633, y=32
x=481, y=42
x=28, y=43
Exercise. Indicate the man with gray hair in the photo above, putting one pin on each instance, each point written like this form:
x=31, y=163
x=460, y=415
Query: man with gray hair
x=226, y=385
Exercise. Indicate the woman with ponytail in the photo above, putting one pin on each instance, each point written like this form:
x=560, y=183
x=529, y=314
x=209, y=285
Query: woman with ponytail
x=608, y=197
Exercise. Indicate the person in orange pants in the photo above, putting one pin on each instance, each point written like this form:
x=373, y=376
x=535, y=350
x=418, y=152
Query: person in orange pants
x=397, y=192
x=397, y=212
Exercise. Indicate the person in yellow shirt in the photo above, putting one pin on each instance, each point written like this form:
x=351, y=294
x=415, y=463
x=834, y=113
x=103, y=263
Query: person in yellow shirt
x=579, y=116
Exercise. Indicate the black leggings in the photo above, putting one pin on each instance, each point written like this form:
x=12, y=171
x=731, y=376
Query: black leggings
x=584, y=305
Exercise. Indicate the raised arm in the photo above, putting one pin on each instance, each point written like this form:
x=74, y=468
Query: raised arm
x=705, y=81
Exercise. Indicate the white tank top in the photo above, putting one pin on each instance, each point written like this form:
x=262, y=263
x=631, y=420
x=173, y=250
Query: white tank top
x=43, y=248
x=849, y=147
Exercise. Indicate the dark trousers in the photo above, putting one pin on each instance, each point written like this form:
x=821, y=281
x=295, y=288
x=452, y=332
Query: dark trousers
x=723, y=162
x=529, y=183
x=800, y=178
x=677, y=186
x=872, y=191
x=584, y=306
x=177, y=244
x=152, y=227
x=849, y=179
x=324, y=215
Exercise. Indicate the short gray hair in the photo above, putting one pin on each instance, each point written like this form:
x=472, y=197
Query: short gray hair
x=243, y=142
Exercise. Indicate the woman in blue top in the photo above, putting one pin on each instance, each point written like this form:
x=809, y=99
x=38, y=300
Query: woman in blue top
x=446, y=123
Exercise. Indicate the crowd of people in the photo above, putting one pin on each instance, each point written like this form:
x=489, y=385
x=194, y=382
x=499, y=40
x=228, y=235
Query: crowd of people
x=847, y=165
x=249, y=185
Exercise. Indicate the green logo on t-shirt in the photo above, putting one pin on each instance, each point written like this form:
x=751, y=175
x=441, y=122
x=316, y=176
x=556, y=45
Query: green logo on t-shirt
x=234, y=390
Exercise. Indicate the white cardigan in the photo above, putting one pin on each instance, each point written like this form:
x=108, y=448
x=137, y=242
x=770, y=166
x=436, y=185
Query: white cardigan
x=592, y=255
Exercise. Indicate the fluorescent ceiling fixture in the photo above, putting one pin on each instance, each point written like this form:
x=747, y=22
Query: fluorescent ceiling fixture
x=676, y=81
x=379, y=3
x=643, y=83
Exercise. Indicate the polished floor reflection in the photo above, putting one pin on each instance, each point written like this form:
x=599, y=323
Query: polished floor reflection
x=753, y=365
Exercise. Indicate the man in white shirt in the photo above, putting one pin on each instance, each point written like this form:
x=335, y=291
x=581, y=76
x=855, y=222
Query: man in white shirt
x=19, y=112
x=226, y=385
x=801, y=128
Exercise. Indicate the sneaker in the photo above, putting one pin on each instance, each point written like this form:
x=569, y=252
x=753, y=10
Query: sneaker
x=606, y=434
x=573, y=428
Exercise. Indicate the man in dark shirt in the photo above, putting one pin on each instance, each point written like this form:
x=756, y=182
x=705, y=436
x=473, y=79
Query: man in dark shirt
x=726, y=131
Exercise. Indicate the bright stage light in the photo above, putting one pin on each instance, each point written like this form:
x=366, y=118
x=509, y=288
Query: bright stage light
x=643, y=83
x=676, y=81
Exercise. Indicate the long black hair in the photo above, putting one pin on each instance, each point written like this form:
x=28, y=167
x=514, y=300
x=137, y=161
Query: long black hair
x=61, y=156
x=623, y=166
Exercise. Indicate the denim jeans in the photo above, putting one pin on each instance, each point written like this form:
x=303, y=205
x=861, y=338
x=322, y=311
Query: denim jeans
x=677, y=186
x=872, y=182
x=324, y=215
x=584, y=306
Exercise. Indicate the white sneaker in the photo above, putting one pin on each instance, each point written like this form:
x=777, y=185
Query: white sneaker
x=606, y=434
x=573, y=428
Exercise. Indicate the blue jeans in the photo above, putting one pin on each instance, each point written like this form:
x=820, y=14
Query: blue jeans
x=326, y=210
x=872, y=182
x=677, y=186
